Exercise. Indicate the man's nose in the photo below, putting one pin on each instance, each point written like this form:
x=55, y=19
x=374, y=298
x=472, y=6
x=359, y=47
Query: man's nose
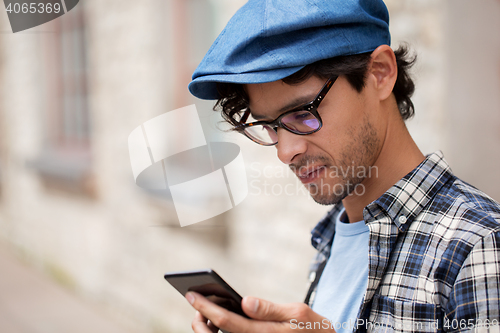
x=290, y=145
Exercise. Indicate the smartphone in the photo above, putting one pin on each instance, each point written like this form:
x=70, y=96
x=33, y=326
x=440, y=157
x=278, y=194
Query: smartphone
x=209, y=284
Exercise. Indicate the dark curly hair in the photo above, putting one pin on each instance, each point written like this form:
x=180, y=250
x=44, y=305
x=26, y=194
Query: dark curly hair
x=233, y=99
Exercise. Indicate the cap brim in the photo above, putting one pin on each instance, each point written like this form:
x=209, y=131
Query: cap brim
x=205, y=87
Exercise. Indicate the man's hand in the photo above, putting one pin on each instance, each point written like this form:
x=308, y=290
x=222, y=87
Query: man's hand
x=266, y=317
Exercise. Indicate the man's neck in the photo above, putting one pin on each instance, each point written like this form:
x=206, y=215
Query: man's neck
x=399, y=155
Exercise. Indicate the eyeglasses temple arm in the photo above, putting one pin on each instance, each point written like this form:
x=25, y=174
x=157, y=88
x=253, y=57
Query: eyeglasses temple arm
x=244, y=117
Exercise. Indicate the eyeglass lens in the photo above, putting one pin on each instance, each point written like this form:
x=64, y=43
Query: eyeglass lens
x=263, y=134
x=299, y=122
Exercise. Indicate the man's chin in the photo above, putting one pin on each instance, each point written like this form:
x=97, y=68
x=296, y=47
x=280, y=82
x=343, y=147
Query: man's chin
x=325, y=198
x=327, y=201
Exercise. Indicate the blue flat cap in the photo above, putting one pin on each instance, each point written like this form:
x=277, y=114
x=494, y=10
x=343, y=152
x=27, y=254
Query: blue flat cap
x=268, y=40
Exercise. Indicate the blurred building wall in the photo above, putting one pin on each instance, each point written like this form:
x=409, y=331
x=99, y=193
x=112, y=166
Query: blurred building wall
x=68, y=202
x=473, y=92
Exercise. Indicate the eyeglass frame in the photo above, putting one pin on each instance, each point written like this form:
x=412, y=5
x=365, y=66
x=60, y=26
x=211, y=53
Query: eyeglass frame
x=311, y=107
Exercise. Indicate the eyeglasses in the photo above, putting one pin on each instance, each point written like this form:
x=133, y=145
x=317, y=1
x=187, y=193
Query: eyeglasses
x=302, y=120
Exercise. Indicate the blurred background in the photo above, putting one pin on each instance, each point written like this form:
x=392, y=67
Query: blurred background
x=83, y=249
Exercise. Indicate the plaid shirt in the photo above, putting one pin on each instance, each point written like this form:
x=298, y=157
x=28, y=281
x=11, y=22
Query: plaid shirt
x=434, y=255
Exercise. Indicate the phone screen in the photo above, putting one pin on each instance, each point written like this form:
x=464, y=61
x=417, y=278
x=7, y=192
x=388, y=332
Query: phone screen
x=209, y=284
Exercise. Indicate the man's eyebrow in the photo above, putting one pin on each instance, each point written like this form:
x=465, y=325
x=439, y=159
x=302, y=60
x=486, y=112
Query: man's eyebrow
x=290, y=106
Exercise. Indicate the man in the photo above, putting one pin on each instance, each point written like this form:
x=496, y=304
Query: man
x=415, y=248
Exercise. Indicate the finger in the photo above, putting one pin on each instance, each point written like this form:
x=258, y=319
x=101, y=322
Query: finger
x=220, y=317
x=199, y=324
x=212, y=327
x=264, y=310
x=199, y=317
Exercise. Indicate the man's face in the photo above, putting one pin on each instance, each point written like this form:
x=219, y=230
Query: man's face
x=337, y=158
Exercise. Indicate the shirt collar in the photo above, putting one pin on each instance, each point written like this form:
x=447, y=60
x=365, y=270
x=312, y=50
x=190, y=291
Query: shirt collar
x=408, y=197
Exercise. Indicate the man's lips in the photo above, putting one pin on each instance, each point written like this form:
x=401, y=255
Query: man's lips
x=311, y=174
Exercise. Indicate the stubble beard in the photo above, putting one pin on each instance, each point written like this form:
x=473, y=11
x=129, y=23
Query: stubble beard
x=358, y=156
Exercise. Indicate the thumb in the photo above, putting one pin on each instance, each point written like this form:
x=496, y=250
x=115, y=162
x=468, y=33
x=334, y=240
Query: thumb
x=263, y=310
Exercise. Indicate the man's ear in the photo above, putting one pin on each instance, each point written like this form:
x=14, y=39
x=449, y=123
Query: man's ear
x=384, y=70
